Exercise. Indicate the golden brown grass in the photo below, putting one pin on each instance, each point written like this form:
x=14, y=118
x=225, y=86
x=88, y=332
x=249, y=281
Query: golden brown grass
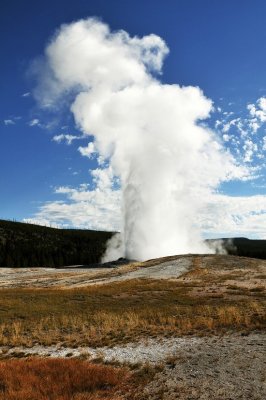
x=121, y=312
x=60, y=379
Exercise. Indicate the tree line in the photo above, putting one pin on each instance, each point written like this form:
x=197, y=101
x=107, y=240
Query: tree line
x=27, y=245
x=244, y=247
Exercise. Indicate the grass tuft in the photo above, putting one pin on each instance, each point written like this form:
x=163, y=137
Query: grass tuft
x=55, y=379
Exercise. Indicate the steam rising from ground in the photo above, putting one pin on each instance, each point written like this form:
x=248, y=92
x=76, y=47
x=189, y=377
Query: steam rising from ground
x=151, y=133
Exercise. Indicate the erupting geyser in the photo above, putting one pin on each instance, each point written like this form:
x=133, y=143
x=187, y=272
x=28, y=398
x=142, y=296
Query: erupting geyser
x=167, y=161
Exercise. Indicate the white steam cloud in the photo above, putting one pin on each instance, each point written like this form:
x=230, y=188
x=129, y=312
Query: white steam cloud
x=167, y=161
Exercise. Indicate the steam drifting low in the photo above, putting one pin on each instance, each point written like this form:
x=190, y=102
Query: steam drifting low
x=151, y=133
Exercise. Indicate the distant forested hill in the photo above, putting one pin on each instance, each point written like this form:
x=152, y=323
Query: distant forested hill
x=244, y=247
x=27, y=245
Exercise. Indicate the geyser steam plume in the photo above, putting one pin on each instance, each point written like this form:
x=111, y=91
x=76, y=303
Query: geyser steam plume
x=167, y=162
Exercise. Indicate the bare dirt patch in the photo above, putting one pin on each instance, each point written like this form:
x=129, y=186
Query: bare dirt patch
x=214, y=368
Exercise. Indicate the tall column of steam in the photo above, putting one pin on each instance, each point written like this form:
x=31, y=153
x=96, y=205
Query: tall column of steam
x=150, y=132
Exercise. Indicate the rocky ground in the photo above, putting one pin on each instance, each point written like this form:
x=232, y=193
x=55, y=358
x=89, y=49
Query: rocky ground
x=228, y=367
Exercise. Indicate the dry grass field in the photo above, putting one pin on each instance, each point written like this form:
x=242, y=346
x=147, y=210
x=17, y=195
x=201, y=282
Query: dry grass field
x=214, y=297
x=208, y=299
x=43, y=379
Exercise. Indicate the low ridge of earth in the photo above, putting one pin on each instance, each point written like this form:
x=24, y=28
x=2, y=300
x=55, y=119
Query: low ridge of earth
x=251, y=270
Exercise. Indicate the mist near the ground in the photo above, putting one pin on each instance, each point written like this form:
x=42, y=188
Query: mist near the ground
x=152, y=134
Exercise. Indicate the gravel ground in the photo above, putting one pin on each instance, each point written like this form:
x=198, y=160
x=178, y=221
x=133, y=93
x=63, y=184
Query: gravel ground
x=152, y=351
x=227, y=368
x=231, y=367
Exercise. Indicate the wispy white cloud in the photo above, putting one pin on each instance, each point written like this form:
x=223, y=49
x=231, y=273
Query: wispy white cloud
x=226, y=137
x=27, y=94
x=250, y=149
x=258, y=111
x=233, y=122
x=66, y=138
x=97, y=207
x=264, y=143
x=9, y=122
x=34, y=122
x=87, y=151
x=234, y=216
x=243, y=134
x=49, y=125
x=100, y=208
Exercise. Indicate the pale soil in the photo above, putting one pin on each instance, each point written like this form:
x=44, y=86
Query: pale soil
x=152, y=351
x=227, y=368
x=45, y=277
x=244, y=272
x=80, y=277
x=214, y=368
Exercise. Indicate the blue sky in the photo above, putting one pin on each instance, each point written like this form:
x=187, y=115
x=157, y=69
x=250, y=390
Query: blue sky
x=216, y=45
